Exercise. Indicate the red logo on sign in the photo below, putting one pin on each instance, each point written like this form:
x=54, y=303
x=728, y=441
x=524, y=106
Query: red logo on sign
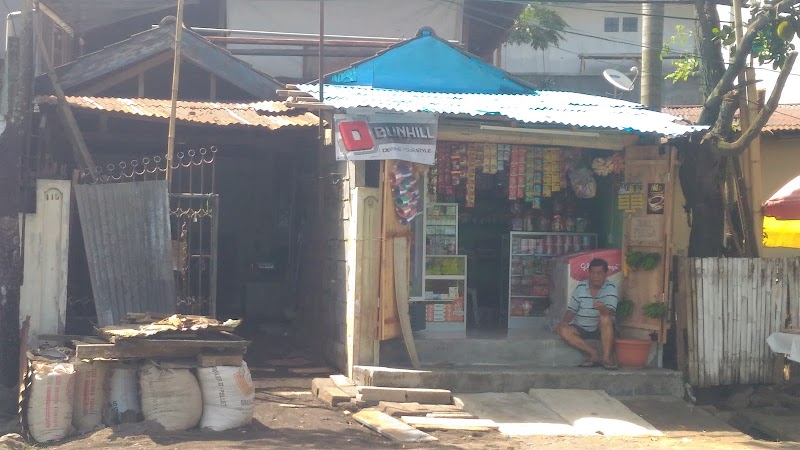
x=356, y=136
x=579, y=265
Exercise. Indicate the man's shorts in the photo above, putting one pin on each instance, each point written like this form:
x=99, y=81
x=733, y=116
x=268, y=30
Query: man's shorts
x=586, y=334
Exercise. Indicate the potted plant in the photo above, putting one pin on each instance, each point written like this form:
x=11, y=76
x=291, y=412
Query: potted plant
x=634, y=353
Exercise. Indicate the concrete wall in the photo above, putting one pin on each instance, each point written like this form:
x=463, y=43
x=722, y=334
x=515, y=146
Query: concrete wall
x=560, y=68
x=780, y=164
x=379, y=18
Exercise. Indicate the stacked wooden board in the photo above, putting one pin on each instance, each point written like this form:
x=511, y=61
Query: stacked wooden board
x=400, y=414
x=179, y=338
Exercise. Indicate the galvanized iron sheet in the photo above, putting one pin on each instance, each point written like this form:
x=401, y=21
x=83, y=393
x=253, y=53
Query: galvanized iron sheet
x=542, y=107
x=265, y=114
x=126, y=231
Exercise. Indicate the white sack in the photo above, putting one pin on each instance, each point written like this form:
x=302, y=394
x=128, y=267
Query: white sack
x=228, y=397
x=170, y=398
x=50, y=403
x=90, y=397
x=123, y=397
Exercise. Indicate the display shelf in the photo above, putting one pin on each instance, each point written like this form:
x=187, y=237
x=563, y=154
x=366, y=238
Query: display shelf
x=441, y=229
x=446, y=277
x=529, y=264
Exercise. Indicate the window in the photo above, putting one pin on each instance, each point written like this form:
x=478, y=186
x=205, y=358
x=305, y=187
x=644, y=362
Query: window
x=630, y=24
x=611, y=24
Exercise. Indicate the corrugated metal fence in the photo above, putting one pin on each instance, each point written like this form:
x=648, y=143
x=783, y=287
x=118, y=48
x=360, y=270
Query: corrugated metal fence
x=726, y=309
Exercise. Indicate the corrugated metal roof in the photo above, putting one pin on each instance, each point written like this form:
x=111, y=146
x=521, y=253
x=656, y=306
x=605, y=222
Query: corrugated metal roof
x=265, y=114
x=126, y=231
x=542, y=107
x=785, y=118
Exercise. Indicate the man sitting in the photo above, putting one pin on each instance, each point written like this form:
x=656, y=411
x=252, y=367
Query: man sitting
x=590, y=315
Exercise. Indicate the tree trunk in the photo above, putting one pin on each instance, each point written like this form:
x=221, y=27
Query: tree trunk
x=701, y=174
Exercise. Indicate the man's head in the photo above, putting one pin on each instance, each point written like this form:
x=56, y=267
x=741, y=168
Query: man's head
x=598, y=271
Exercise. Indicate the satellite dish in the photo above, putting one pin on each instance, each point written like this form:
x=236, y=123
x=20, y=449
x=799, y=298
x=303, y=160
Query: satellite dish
x=618, y=79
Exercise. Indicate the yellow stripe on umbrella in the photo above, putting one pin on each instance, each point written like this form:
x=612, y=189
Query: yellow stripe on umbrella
x=781, y=233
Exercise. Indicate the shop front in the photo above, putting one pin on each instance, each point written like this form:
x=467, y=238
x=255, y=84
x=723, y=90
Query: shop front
x=494, y=197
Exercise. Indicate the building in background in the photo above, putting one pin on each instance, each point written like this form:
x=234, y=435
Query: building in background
x=603, y=36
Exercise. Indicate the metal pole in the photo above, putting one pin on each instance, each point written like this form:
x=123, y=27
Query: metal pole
x=652, y=42
x=321, y=57
x=176, y=68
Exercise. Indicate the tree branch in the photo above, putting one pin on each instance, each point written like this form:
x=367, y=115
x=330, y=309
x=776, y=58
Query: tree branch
x=763, y=116
x=725, y=84
x=721, y=129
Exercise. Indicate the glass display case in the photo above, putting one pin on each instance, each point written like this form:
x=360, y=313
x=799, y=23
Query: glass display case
x=529, y=268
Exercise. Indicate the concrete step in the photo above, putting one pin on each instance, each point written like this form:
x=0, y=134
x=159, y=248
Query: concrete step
x=472, y=379
x=441, y=349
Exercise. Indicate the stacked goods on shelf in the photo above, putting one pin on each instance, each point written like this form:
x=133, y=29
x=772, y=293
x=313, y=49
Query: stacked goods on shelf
x=472, y=163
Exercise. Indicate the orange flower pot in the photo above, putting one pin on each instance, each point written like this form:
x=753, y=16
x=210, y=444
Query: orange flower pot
x=632, y=353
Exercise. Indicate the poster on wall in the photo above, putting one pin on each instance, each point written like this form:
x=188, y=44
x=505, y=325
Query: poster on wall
x=629, y=197
x=378, y=136
x=655, y=198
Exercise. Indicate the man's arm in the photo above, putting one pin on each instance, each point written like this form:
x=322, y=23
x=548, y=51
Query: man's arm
x=568, y=316
x=608, y=306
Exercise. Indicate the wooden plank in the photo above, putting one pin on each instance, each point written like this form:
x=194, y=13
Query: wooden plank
x=321, y=370
x=702, y=361
x=116, y=351
x=680, y=315
x=712, y=265
x=517, y=413
x=594, y=412
x=340, y=380
x=390, y=227
x=721, y=322
x=794, y=293
x=390, y=427
x=366, y=345
x=751, y=320
x=83, y=158
x=691, y=321
x=725, y=281
x=332, y=395
x=417, y=395
x=317, y=384
x=780, y=303
x=205, y=360
x=438, y=423
x=452, y=415
x=414, y=408
x=401, y=284
x=759, y=320
x=736, y=280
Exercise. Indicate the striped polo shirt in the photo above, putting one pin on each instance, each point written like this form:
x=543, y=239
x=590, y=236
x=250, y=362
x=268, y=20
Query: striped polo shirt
x=581, y=302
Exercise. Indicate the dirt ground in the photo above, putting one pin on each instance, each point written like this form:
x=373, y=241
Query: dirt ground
x=288, y=416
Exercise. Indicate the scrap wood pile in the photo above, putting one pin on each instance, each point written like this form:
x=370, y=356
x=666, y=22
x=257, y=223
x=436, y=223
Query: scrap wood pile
x=176, y=372
x=400, y=414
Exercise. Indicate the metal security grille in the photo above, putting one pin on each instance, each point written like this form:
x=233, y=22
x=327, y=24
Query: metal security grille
x=194, y=221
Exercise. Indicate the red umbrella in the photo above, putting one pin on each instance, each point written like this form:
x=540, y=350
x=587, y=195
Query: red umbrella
x=785, y=204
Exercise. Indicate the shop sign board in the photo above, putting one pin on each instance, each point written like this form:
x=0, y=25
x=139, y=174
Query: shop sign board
x=378, y=136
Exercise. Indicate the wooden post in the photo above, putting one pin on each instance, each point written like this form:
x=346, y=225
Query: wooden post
x=176, y=78
x=14, y=142
x=83, y=159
